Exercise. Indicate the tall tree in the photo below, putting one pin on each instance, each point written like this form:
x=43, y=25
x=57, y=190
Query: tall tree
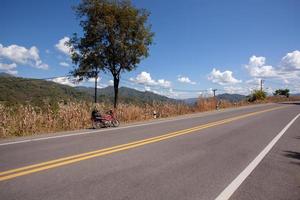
x=284, y=92
x=116, y=37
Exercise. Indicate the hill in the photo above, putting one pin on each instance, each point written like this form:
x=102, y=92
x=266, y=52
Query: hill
x=295, y=94
x=16, y=90
x=126, y=95
x=3, y=74
x=225, y=96
x=231, y=97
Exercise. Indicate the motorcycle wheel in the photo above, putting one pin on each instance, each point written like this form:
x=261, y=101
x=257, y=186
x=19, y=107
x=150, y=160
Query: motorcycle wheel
x=115, y=123
x=97, y=125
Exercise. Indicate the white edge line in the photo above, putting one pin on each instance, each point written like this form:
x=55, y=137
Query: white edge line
x=234, y=185
x=124, y=127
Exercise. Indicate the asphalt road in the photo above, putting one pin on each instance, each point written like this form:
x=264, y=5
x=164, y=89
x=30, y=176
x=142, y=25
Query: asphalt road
x=192, y=157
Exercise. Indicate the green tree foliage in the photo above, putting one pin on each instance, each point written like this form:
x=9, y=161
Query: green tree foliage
x=284, y=92
x=116, y=37
x=257, y=95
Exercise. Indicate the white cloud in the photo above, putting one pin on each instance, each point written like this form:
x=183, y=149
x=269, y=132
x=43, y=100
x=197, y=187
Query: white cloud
x=257, y=68
x=92, y=80
x=9, y=68
x=164, y=83
x=291, y=61
x=237, y=90
x=21, y=55
x=144, y=78
x=288, y=70
x=185, y=79
x=110, y=82
x=222, y=78
x=99, y=83
x=64, y=64
x=147, y=88
x=254, y=81
x=65, y=81
x=63, y=47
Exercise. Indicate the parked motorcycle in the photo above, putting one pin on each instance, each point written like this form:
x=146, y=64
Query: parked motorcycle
x=104, y=120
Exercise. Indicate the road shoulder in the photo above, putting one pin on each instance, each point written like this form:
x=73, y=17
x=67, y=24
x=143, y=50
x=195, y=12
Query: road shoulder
x=277, y=177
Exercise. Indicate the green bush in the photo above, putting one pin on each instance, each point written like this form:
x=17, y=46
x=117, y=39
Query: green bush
x=258, y=95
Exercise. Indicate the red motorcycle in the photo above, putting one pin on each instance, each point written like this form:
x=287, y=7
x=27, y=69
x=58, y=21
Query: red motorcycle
x=103, y=121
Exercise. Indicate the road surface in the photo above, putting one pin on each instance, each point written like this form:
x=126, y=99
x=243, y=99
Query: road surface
x=246, y=153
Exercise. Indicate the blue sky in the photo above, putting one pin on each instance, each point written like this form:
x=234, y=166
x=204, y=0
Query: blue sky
x=198, y=44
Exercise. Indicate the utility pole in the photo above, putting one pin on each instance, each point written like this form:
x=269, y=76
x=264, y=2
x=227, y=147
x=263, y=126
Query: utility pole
x=217, y=104
x=261, y=84
x=214, y=90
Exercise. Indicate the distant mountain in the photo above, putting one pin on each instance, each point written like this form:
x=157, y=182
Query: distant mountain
x=190, y=101
x=3, y=74
x=225, y=96
x=35, y=91
x=127, y=95
x=231, y=97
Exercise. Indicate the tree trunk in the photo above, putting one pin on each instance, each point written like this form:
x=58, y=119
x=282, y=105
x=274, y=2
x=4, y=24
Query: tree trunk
x=116, y=89
x=96, y=77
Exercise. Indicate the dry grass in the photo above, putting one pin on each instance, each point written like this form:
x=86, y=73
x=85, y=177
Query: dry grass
x=25, y=120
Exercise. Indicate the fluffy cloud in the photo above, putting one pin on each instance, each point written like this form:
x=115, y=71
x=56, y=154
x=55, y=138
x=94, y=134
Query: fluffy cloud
x=145, y=78
x=64, y=81
x=110, y=82
x=63, y=47
x=288, y=70
x=184, y=79
x=99, y=82
x=254, y=81
x=237, y=90
x=163, y=83
x=64, y=64
x=21, y=55
x=257, y=68
x=222, y=78
x=291, y=61
x=147, y=88
x=92, y=80
x=9, y=68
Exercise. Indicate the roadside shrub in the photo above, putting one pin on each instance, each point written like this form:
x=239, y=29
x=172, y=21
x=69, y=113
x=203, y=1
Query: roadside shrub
x=258, y=95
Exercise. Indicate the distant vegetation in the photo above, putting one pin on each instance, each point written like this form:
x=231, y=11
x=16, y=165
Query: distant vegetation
x=37, y=92
x=283, y=92
x=233, y=98
x=258, y=95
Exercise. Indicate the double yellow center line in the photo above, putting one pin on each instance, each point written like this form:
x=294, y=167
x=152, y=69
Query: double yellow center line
x=10, y=174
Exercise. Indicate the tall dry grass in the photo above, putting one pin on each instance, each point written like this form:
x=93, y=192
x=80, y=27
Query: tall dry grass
x=25, y=120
